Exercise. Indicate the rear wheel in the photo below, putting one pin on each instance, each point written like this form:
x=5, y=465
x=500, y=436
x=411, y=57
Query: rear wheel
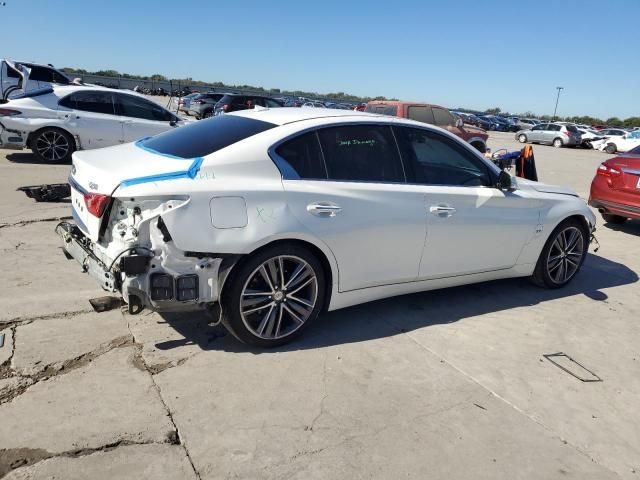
x=557, y=142
x=615, y=219
x=522, y=138
x=562, y=255
x=272, y=296
x=52, y=145
x=611, y=148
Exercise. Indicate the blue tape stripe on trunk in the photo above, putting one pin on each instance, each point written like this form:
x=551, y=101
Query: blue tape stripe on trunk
x=191, y=172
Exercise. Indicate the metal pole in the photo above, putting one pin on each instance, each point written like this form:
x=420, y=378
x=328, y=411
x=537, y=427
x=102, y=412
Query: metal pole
x=557, y=98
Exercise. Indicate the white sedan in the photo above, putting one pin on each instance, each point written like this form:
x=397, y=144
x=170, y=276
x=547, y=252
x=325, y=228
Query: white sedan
x=278, y=215
x=624, y=143
x=56, y=121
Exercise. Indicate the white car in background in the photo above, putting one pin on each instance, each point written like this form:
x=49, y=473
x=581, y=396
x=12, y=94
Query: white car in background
x=610, y=136
x=623, y=143
x=12, y=74
x=55, y=121
x=273, y=216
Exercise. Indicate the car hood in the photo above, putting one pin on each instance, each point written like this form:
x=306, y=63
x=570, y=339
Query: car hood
x=472, y=129
x=545, y=188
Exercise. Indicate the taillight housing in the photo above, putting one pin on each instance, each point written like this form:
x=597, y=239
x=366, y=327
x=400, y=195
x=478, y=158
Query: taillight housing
x=96, y=203
x=9, y=112
x=605, y=170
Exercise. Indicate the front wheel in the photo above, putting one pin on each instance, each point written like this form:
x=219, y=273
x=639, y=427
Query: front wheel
x=557, y=142
x=562, y=255
x=52, y=145
x=522, y=138
x=611, y=148
x=271, y=297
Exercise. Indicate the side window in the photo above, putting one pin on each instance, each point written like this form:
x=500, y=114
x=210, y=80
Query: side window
x=41, y=74
x=443, y=118
x=96, y=102
x=420, y=114
x=390, y=110
x=301, y=158
x=12, y=72
x=555, y=128
x=362, y=153
x=271, y=103
x=433, y=159
x=130, y=106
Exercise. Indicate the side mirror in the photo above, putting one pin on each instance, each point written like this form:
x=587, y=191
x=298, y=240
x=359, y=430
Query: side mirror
x=506, y=182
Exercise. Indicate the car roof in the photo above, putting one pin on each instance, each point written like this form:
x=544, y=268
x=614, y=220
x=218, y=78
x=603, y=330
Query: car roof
x=285, y=115
x=399, y=102
x=63, y=90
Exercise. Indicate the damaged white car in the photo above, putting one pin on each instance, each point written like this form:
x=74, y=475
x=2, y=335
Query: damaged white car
x=277, y=215
x=57, y=120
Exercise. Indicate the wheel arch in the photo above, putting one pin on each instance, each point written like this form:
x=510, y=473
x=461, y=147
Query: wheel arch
x=32, y=135
x=478, y=143
x=324, y=256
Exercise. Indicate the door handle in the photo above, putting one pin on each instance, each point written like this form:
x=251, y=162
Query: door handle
x=324, y=209
x=443, y=211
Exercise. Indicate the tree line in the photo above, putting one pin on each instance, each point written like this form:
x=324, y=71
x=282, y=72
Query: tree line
x=579, y=119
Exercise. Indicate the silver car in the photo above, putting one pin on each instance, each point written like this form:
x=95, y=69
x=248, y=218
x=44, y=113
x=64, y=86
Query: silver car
x=551, y=134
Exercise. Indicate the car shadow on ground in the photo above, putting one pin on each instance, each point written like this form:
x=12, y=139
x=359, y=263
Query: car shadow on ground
x=392, y=316
x=631, y=227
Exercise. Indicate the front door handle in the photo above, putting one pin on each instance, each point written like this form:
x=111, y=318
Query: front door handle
x=324, y=209
x=443, y=211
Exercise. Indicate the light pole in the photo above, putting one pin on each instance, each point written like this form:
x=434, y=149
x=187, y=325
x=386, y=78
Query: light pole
x=557, y=98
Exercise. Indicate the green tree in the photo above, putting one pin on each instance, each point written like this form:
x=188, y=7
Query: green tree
x=614, y=122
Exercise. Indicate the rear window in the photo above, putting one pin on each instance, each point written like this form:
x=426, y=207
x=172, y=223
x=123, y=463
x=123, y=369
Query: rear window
x=391, y=110
x=206, y=136
x=572, y=129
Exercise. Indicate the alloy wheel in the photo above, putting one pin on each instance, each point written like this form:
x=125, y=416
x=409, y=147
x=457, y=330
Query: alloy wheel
x=565, y=255
x=278, y=297
x=52, y=146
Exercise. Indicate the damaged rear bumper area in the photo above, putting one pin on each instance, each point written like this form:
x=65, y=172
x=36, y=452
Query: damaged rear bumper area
x=146, y=277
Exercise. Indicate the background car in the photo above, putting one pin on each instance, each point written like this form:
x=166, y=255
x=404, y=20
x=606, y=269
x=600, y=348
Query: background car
x=551, y=134
x=615, y=189
x=431, y=114
x=38, y=77
x=185, y=102
x=588, y=137
x=56, y=122
x=299, y=195
x=202, y=105
x=627, y=142
x=232, y=102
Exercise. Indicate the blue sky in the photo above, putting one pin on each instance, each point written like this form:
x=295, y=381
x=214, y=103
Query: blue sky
x=478, y=54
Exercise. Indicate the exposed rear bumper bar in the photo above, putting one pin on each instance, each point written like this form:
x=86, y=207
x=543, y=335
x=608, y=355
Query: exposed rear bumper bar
x=74, y=244
x=616, y=207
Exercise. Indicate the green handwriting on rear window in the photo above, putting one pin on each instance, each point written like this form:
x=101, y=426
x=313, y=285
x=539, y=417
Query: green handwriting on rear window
x=355, y=141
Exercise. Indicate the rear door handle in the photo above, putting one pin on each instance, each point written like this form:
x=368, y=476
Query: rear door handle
x=324, y=209
x=443, y=211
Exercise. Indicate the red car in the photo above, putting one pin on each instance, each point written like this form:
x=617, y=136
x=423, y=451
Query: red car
x=433, y=114
x=615, y=190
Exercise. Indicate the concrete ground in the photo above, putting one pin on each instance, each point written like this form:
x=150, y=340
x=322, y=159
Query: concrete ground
x=442, y=385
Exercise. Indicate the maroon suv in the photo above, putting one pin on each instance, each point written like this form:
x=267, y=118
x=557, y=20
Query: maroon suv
x=434, y=115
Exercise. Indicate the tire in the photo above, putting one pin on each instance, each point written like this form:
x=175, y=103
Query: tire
x=481, y=147
x=522, y=138
x=557, y=264
x=207, y=114
x=611, y=148
x=285, y=308
x=52, y=145
x=557, y=142
x=615, y=219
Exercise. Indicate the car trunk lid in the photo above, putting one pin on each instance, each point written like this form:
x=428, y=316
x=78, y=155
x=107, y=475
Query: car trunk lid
x=628, y=178
x=96, y=174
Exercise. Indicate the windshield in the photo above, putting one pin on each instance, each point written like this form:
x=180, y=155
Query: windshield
x=206, y=136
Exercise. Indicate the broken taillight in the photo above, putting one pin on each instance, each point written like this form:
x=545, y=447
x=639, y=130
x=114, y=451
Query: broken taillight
x=96, y=203
x=9, y=112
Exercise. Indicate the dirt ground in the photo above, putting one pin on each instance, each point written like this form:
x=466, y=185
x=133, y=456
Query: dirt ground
x=446, y=384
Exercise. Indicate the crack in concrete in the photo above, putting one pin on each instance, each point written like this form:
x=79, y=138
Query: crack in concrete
x=14, y=458
x=28, y=319
x=57, y=369
x=324, y=396
x=140, y=363
x=5, y=367
x=22, y=223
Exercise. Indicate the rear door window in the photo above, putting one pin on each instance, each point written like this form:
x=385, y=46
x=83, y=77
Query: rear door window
x=555, y=128
x=420, y=114
x=206, y=136
x=443, y=118
x=301, y=158
x=88, y=101
x=390, y=110
x=361, y=153
x=134, y=107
